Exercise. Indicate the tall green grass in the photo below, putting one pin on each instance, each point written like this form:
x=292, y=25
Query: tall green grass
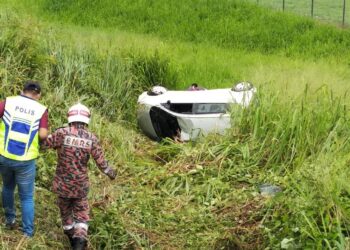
x=104, y=80
x=209, y=65
x=108, y=83
x=325, y=10
x=300, y=145
x=227, y=24
x=199, y=195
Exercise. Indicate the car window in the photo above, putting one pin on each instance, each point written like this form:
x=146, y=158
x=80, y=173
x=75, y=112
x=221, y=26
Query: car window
x=209, y=108
x=182, y=108
x=197, y=108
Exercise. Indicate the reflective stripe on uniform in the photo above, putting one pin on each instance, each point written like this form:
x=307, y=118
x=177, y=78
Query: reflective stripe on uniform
x=19, y=139
x=68, y=227
x=81, y=225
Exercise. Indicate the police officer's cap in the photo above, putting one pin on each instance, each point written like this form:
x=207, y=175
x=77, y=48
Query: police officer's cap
x=32, y=86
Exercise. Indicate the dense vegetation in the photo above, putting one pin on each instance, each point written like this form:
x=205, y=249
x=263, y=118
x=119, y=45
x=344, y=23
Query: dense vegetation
x=229, y=24
x=204, y=194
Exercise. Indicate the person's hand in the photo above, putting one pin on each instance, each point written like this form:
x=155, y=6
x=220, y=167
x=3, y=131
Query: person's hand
x=111, y=174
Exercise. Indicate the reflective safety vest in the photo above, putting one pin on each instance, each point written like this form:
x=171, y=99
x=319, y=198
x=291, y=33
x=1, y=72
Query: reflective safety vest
x=19, y=138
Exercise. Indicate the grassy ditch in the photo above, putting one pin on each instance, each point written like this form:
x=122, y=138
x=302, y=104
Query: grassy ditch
x=107, y=83
x=199, y=195
x=300, y=146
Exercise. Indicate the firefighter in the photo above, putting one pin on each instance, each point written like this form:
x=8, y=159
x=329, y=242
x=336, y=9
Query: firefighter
x=74, y=145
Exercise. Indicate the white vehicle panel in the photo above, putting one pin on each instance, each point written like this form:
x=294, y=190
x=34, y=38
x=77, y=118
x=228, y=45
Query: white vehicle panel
x=189, y=114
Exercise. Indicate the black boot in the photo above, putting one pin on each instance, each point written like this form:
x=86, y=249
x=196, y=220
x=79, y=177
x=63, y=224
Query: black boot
x=70, y=233
x=79, y=244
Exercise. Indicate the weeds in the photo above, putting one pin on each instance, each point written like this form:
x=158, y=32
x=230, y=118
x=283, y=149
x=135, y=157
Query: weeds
x=199, y=195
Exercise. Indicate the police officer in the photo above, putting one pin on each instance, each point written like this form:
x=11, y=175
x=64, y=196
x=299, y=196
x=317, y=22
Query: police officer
x=24, y=121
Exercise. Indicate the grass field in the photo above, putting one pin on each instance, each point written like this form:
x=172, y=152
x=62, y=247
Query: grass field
x=204, y=194
x=327, y=10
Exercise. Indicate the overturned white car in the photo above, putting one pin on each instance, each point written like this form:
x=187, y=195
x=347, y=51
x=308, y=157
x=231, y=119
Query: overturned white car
x=187, y=114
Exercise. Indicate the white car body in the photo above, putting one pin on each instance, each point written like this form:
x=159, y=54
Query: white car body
x=188, y=114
